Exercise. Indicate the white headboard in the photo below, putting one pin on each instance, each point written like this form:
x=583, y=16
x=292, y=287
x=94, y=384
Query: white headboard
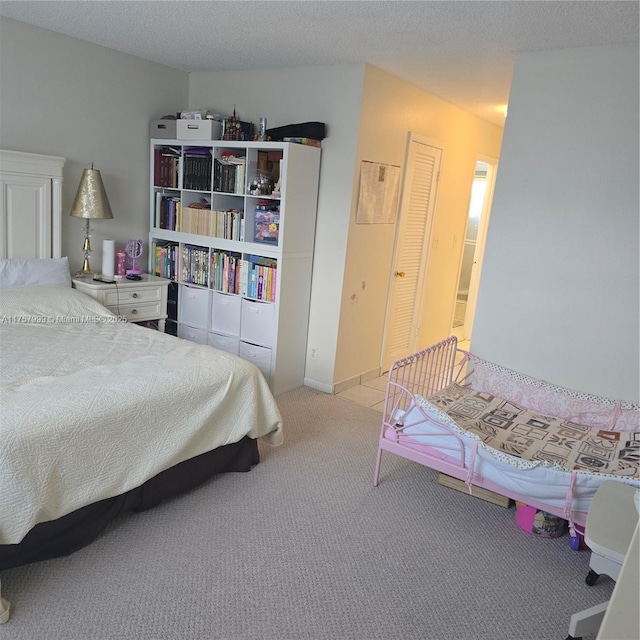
x=30, y=205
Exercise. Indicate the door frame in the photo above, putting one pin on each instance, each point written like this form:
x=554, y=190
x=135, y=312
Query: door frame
x=478, y=256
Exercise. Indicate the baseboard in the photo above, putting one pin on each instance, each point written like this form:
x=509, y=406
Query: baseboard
x=318, y=386
x=370, y=375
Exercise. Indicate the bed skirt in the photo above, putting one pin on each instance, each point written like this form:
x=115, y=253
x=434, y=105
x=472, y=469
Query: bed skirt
x=77, y=529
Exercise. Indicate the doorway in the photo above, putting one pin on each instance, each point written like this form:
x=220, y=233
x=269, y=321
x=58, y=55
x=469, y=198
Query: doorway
x=473, y=250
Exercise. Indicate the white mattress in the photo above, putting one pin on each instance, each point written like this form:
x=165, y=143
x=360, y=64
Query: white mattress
x=92, y=408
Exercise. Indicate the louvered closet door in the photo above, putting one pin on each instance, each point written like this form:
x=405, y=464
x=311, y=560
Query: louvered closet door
x=412, y=243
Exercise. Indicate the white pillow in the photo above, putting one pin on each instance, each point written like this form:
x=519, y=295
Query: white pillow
x=49, y=304
x=31, y=272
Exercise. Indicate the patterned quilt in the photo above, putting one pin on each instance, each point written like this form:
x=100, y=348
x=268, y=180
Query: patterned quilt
x=506, y=427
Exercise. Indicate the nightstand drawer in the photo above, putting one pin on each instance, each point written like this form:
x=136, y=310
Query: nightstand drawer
x=127, y=295
x=138, y=312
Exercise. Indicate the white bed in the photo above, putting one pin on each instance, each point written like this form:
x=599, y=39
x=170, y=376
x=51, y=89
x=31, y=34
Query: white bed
x=95, y=412
x=92, y=407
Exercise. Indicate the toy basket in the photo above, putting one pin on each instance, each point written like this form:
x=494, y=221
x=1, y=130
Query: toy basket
x=539, y=523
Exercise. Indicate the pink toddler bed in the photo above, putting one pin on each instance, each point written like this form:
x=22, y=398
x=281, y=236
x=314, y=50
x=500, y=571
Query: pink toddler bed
x=494, y=428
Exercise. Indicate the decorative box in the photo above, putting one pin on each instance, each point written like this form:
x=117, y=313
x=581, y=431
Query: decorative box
x=267, y=223
x=163, y=129
x=199, y=129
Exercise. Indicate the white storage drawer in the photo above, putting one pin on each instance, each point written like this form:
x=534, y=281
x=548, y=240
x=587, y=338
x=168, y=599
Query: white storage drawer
x=259, y=356
x=224, y=343
x=139, y=312
x=257, y=322
x=192, y=333
x=124, y=295
x=225, y=313
x=193, y=306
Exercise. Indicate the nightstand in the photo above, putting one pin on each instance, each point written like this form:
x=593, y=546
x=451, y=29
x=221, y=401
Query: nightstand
x=136, y=300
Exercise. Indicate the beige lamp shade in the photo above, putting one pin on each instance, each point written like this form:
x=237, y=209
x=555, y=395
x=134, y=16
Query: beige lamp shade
x=91, y=200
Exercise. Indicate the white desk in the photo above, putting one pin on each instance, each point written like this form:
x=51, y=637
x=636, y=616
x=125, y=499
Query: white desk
x=622, y=618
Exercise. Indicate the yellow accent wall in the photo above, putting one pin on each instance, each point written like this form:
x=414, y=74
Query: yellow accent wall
x=391, y=108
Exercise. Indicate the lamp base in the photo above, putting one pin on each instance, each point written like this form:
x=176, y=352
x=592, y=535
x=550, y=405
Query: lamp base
x=84, y=274
x=86, y=267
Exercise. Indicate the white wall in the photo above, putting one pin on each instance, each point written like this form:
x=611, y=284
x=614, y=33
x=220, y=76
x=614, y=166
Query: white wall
x=559, y=294
x=62, y=96
x=286, y=96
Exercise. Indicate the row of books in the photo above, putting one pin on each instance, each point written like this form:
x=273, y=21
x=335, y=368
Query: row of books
x=166, y=167
x=198, y=218
x=251, y=276
x=195, y=265
x=225, y=270
x=168, y=210
x=259, y=278
x=221, y=223
x=254, y=277
x=197, y=169
x=165, y=260
x=229, y=174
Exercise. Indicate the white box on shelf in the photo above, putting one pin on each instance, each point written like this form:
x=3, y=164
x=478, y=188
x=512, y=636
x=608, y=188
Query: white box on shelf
x=193, y=306
x=225, y=313
x=259, y=356
x=257, y=322
x=198, y=129
x=224, y=343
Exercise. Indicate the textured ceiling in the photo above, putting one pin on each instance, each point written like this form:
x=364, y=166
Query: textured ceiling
x=462, y=52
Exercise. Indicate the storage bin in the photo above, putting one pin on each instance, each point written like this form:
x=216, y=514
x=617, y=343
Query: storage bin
x=257, y=322
x=224, y=343
x=163, y=129
x=193, y=307
x=225, y=313
x=199, y=129
x=192, y=333
x=539, y=523
x=258, y=356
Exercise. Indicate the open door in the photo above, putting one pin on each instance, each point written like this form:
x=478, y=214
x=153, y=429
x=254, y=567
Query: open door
x=413, y=239
x=473, y=251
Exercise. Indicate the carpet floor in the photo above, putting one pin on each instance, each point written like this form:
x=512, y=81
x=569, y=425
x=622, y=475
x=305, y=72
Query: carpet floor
x=304, y=547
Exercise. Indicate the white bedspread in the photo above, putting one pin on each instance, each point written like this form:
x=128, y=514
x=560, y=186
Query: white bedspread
x=92, y=408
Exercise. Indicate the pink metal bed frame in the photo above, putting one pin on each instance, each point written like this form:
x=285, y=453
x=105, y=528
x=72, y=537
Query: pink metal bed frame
x=423, y=374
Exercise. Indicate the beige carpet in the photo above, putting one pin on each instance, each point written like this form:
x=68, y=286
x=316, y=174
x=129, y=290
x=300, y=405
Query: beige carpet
x=304, y=547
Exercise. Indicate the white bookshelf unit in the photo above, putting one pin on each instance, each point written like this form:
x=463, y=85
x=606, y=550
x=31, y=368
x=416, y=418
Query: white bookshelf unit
x=233, y=224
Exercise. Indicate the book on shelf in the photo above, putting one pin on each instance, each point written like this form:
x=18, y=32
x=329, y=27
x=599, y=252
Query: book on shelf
x=308, y=141
x=225, y=271
x=167, y=211
x=195, y=265
x=260, y=274
x=198, y=218
x=197, y=169
x=165, y=259
x=229, y=173
x=166, y=167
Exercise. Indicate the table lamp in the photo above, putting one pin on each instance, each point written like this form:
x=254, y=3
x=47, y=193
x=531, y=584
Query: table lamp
x=91, y=203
